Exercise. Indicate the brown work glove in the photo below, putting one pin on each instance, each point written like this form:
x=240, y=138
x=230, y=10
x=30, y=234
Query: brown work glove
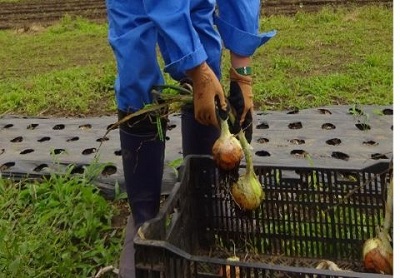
x=241, y=100
x=207, y=90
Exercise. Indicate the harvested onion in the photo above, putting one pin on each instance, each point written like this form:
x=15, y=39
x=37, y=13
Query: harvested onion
x=247, y=191
x=378, y=256
x=227, y=151
x=377, y=251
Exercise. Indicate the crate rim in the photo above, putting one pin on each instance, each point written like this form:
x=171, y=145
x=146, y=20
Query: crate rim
x=264, y=266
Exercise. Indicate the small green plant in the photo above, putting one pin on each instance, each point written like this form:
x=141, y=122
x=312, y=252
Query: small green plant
x=59, y=227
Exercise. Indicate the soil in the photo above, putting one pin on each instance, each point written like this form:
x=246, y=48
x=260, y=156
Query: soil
x=26, y=13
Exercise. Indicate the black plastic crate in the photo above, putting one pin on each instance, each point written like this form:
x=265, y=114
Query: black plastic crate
x=308, y=215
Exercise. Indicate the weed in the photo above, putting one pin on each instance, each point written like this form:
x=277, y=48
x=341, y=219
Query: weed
x=60, y=227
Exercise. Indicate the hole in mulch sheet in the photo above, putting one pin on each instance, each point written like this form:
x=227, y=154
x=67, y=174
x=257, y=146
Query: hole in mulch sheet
x=262, y=126
x=297, y=141
x=299, y=153
x=296, y=125
x=7, y=166
x=118, y=153
x=370, y=143
x=262, y=153
x=73, y=139
x=18, y=139
x=44, y=139
x=363, y=126
x=387, y=111
x=171, y=126
x=8, y=126
x=32, y=126
x=109, y=170
x=377, y=156
x=58, y=151
x=40, y=167
x=328, y=126
x=77, y=169
x=59, y=127
x=26, y=151
x=324, y=111
x=262, y=140
x=88, y=151
x=103, y=139
x=340, y=155
x=85, y=126
x=334, y=141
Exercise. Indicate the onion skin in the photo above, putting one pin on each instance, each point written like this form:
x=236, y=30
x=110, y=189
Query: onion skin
x=247, y=191
x=227, y=151
x=378, y=251
x=378, y=257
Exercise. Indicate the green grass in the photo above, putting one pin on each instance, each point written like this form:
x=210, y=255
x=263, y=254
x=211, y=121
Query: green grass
x=327, y=58
x=61, y=227
x=341, y=56
x=66, y=69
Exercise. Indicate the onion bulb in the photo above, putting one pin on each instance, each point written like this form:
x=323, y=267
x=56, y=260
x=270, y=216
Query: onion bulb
x=377, y=251
x=378, y=256
x=227, y=151
x=247, y=191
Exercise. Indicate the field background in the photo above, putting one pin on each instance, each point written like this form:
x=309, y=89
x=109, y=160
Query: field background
x=17, y=13
x=55, y=62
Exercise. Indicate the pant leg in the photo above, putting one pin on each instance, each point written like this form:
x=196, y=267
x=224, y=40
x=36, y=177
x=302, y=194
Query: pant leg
x=133, y=38
x=192, y=40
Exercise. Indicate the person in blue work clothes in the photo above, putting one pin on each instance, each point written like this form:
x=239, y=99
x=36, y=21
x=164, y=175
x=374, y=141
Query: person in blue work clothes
x=191, y=49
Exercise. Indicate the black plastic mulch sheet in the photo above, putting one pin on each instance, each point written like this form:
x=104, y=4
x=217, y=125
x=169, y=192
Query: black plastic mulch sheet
x=334, y=136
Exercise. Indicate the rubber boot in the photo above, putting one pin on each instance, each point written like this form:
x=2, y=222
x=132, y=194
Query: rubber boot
x=142, y=160
x=197, y=138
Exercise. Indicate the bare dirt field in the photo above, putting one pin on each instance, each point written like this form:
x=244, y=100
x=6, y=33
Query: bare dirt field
x=25, y=13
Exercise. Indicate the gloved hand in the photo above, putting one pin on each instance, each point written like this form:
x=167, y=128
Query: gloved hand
x=207, y=90
x=241, y=100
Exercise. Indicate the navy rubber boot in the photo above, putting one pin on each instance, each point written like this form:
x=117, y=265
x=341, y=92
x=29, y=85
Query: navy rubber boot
x=143, y=160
